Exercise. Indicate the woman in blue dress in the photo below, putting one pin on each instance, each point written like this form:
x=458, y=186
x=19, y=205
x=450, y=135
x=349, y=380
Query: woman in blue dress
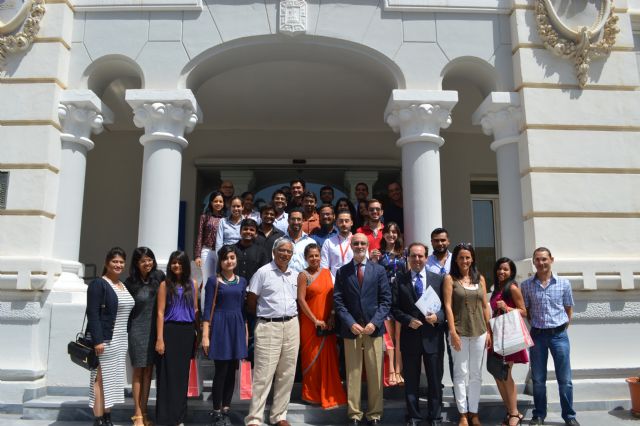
x=224, y=330
x=393, y=257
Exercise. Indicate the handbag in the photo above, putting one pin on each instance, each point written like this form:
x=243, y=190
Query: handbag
x=82, y=351
x=497, y=366
x=510, y=334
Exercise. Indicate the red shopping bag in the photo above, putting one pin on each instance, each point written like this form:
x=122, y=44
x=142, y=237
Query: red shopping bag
x=195, y=384
x=245, y=379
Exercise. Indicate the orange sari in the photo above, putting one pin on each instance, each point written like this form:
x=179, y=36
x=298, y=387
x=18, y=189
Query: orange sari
x=319, y=355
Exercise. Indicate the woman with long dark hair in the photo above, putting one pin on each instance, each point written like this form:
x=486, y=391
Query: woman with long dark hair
x=203, y=253
x=468, y=316
x=143, y=282
x=506, y=297
x=393, y=257
x=177, y=309
x=229, y=229
x=108, y=307
x=225, y=333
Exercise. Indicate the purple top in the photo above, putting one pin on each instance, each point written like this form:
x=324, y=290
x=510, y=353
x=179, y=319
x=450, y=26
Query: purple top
x=179, y=308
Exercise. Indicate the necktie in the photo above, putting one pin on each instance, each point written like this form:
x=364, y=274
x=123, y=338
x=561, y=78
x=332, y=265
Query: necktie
x=360, y=274
x=419, y=289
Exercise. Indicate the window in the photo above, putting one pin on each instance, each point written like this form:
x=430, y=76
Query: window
x=4, y=188
x=484, y=207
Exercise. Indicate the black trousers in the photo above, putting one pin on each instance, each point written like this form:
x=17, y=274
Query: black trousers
x=224, y=382
x=411, y=373
x=172, y=373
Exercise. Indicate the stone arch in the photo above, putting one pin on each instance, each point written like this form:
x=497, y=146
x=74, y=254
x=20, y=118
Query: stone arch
x=109, y=77
x=249, y=50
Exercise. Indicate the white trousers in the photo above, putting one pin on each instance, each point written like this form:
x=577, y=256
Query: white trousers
x=209, y=262
x=467, y=372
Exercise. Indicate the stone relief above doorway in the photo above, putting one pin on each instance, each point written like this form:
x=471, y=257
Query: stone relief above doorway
x=13, y=15
x=293, y=17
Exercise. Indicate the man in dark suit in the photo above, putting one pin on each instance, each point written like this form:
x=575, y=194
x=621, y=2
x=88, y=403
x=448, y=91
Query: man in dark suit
x=362, y=299
x=422, y=336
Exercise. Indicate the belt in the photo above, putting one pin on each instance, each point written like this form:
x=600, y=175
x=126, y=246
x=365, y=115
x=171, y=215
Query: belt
x=556, y=330
x=278, y=319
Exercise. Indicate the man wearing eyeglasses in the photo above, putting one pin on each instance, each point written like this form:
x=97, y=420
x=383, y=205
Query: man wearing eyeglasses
x=272, y=296
x=362, y=299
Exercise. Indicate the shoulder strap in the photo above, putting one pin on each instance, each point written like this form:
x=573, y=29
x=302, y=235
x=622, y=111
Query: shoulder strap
x=215, y=298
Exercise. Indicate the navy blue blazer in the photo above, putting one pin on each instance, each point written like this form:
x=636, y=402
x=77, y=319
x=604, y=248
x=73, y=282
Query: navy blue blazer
x=369, y=304
x=427, y=338
x=101, y=319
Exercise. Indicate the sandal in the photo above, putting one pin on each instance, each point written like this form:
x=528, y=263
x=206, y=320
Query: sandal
x=475, y=420
x=514, y=416
x=463, y=420
x=392, y=379
x=146, y=420
x=399, y=379
x=138, y=420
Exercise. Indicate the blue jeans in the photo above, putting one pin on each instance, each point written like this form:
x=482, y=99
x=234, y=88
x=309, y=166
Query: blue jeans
x=558, y=344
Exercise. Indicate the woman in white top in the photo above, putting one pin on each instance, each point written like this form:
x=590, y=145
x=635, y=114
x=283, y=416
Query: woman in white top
x=229, y=228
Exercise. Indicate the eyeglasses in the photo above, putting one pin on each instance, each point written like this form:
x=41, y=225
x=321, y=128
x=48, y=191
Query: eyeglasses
x=375, y=209
x=286, y=251
x=359, y=243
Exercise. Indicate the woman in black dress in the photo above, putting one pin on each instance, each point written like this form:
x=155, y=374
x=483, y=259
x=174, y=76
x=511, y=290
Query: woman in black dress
x=143, y=282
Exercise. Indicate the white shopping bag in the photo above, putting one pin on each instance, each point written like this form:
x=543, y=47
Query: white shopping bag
x=510, y=333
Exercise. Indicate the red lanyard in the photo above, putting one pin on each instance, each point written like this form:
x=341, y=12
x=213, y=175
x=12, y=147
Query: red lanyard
x=343, y=252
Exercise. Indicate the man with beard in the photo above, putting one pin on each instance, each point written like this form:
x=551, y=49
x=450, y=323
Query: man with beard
x=362, y=298
x=267, y=232
x=297, y=190
x=374, y=227
x=336, y=250
x=440, y=260
x=299, y=239
x=227, y=189
x=311, y=220
x=327, y=225
x=250, y=254
x=394, y=211
x=326, y=195
x=279, y=201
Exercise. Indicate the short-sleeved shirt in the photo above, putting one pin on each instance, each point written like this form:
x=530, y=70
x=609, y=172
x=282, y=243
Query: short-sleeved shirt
x=298, y=262
x=311, y=223
x=546, y=306
x=277, y=291
x=433, y=264
x=282, y=222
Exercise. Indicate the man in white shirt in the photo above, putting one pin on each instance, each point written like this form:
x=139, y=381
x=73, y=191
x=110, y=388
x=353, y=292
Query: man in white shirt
x=272, y=296
x=299, y=239
x=336, y=251
x=279, y=201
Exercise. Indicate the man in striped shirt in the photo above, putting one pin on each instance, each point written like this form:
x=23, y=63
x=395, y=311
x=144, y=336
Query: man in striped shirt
x=549, y=302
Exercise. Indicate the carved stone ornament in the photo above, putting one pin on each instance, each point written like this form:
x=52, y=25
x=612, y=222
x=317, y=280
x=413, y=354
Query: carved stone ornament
x=581, y=44
x=293, y=17
x=12, y=16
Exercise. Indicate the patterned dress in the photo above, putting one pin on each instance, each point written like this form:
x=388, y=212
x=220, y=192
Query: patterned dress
x=112, y=360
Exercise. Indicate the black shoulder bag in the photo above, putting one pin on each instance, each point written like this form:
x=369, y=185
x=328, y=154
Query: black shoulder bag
x=81, y=350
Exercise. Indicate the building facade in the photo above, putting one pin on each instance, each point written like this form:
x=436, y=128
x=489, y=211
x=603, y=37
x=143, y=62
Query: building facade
x=504, y=121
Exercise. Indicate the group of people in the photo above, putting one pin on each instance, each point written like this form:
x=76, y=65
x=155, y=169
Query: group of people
x=324, y=288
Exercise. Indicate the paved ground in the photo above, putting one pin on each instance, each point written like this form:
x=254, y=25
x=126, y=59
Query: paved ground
x=588, y=418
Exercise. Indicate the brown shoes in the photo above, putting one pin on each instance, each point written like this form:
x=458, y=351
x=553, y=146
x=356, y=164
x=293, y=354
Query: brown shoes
x=283, y=423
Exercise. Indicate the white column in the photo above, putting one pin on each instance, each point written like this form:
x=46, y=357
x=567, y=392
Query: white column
x=165, y=115
x=419, y=115
x=500, y=114
x=81, y=113
x=353, y=177
x=241, y=179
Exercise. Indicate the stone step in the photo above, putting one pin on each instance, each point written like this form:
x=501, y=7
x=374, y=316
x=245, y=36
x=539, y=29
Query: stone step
x=75, y=407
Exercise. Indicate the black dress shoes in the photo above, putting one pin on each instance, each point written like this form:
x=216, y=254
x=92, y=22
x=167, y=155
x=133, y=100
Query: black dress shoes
x=413, y=422
x=436, y=422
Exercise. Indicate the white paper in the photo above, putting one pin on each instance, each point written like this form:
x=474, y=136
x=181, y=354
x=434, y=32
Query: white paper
x=429, y=302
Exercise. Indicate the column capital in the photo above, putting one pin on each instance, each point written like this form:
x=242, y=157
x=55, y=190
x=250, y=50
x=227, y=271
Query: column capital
x=81, y=113
x=500, y=115
x=164, y=114
x=420, y=114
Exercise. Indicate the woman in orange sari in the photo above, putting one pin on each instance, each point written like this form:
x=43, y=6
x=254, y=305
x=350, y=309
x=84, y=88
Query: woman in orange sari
x=318, y=346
